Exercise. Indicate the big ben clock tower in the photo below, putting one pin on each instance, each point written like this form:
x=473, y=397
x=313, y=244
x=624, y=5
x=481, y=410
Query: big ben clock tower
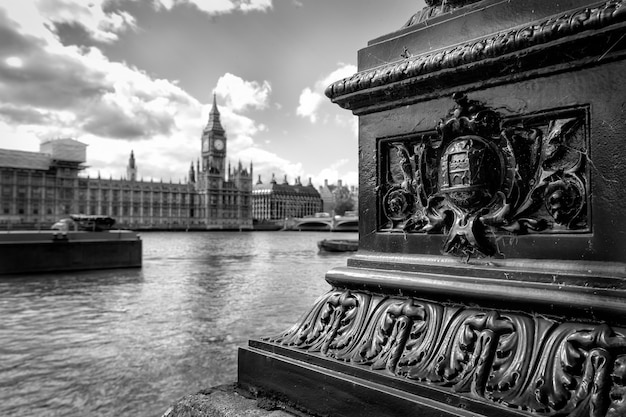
x=223, y=196
x=214, y=145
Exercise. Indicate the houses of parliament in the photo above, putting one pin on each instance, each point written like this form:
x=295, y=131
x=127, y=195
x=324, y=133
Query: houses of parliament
x=39, y=188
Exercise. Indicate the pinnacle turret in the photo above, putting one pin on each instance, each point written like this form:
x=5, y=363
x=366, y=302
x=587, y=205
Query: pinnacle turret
x=131, y=168
x=214, y=122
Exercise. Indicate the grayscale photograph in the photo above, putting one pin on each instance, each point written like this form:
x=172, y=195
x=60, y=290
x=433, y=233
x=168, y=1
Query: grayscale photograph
x=307, y=208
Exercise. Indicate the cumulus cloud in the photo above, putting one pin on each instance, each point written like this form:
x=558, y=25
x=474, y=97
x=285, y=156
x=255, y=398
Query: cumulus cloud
x=309, y=103
x=268, y=163
x=311, y=99
x=102, y=23
x=241, y=129
x=66, y=91
x=241, y=94
x=215, y=7
x=109, y=99
x=237, y=98
x=50, y=90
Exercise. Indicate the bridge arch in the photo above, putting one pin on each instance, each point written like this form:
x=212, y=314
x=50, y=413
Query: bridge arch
x=313, y=224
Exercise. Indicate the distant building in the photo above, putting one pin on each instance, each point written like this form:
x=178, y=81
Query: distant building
x=339, y=198
x=39, y=188
x=273, y=201
x=224, y=202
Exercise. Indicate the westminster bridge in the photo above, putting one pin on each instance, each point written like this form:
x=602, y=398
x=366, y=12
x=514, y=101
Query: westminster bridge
x=327, y=223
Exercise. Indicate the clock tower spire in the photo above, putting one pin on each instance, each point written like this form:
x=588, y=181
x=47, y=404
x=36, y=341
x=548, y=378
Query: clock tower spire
x=214, y=144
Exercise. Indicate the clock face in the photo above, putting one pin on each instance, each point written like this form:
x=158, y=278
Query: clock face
x=218, y=144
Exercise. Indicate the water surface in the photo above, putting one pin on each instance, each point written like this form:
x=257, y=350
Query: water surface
x=132, y=341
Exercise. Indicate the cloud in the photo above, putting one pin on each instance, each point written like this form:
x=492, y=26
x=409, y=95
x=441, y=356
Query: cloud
x=236, y=99
x=309, y=103
x=22, y=115
x=50, y=90
x=96, y=17
x=241, y=94
x=267, y=163
x=240, y=129
x=255, y=5
x=215, y=7
x=160, y=158
x=312, y=99
x=67, y=91
x=107, y=99
x=334, y=172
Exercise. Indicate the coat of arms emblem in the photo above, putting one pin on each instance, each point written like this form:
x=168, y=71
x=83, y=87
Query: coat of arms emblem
x=478, y=176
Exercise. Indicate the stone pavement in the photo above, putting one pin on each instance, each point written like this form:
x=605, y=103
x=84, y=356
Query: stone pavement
x=227, y=401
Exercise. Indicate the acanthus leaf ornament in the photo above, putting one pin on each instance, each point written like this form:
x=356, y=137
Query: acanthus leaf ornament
x=480, y=175
x=535, y=365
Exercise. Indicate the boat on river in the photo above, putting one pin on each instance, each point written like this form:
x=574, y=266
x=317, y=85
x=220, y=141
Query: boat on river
x=91, y=223
x=338, y=245
x=78, y=242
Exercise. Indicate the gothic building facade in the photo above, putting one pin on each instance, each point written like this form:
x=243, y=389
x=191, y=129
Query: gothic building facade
x=224, y=202
x=39, y=188
x=276, y=202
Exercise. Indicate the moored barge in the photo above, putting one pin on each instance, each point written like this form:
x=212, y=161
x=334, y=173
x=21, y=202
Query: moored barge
x=68, y=248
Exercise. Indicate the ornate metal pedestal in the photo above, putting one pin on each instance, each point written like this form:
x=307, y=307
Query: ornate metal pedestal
x=490, y=278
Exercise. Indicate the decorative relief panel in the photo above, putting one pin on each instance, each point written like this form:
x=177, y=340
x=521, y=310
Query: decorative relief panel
x=530, y=363
x=479, y=176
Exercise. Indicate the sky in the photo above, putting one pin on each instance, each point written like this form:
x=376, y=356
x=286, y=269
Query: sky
x=140, y=75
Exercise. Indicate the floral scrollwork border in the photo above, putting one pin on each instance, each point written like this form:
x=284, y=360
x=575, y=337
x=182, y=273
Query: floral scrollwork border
x=531, y=363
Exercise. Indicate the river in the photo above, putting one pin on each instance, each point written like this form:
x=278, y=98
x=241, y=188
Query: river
x=130, y=342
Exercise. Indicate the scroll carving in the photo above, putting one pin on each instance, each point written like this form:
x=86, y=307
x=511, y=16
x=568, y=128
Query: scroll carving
x=480, y=176
x=530, y=363
x=480, y=53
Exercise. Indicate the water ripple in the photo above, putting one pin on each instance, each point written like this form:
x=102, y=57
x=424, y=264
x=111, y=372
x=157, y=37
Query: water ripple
x=130, y=342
